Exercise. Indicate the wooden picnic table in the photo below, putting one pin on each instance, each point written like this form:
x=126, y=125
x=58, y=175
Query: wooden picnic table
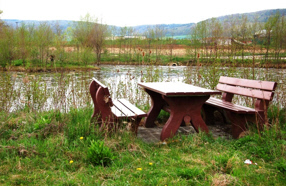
x=183, y=101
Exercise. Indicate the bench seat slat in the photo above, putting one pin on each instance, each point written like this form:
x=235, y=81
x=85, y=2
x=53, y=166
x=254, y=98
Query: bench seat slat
x=132, y=107
x=126, y=112
x=230, y=106
x=117, y=112
x=265, y=95
x=257, y=84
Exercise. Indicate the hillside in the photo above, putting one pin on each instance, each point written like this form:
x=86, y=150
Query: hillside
x=176, y=30
x=262, y=16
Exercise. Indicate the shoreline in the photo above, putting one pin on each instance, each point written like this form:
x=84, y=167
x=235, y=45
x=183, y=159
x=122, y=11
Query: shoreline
x=80, y=68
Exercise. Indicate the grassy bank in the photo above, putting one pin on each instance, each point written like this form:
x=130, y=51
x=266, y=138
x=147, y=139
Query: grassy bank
x=57, y=147
x=51, y=148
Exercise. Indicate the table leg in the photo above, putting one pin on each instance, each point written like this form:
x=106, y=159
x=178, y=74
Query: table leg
x=154, y=111
x=187, y=109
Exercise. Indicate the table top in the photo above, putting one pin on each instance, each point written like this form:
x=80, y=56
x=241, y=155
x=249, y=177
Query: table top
x=177, y=89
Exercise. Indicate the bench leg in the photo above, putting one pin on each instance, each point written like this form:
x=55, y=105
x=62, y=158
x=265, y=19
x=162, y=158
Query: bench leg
x=208, y=114
x=135, y=124
x=238, y=122
x=261, y=120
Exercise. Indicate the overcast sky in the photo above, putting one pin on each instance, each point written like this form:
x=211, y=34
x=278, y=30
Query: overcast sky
x=132, y=12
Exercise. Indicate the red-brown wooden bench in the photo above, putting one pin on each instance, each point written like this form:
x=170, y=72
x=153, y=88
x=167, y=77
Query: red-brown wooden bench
x=261, y=91
x=107, y=111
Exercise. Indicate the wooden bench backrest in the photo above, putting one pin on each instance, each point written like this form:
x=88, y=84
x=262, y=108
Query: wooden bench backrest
x=263, y=90
x=99, y=84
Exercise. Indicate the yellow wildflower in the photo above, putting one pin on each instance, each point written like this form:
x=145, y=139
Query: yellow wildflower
x=139, y=169
x=81, y=138
x=150, y=163
x=71, y=161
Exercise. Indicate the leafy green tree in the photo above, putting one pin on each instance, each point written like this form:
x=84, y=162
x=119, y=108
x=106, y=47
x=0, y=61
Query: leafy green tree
x=216, y=34
x=196, y=41
x=7, y=46
x=23, y=43
x=269, y=26
x=44, y=38
x=122, y=41
x=278, y=36
x=60, y=44
x=243, y=34
x=1, y=22
x=254, y=28
x=231, y=29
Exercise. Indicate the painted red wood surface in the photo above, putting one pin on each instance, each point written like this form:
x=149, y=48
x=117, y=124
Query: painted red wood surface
x=184, y=103
x=262, y=93
x=258, y=84
x=177, y=89
x=106, y=111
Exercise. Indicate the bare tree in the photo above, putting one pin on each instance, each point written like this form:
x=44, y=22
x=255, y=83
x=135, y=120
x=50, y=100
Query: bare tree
x=96, y=39
x=88, y=33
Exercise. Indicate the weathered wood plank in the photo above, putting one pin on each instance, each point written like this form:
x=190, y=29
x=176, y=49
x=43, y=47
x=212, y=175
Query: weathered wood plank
x=266, y=95
x=230, y=106
x=132, y=107
x=257, y=84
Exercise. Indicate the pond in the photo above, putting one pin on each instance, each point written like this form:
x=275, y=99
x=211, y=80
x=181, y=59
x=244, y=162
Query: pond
x=62, y=90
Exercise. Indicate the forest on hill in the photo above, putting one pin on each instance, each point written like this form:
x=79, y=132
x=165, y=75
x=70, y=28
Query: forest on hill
x=174, y=30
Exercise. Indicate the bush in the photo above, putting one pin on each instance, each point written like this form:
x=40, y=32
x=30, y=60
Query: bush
x=98, y=154
x=18, y=62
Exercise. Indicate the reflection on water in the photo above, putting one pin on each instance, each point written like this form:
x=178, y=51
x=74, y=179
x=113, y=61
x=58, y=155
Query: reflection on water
x=45, y=91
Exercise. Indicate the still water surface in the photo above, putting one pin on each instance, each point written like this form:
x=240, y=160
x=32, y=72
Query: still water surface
x=45, y=91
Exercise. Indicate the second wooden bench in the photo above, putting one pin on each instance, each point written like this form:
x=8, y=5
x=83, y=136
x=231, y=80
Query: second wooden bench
x=239, y=116
x=108, y=111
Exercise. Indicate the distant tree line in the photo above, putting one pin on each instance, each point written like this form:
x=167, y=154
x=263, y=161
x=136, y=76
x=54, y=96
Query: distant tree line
x=237, y=37
x=89, y=42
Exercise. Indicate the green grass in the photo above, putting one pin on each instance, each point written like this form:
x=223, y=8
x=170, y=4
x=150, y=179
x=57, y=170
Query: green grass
x=51, y=148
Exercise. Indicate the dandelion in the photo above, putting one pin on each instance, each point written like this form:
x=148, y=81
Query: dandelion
x=81, y=138
x=150, y=163
x=139, y=169
x=71, y=161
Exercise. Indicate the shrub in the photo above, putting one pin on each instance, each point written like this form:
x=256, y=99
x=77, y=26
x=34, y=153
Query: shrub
x=18, y=62
x=99, y=154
